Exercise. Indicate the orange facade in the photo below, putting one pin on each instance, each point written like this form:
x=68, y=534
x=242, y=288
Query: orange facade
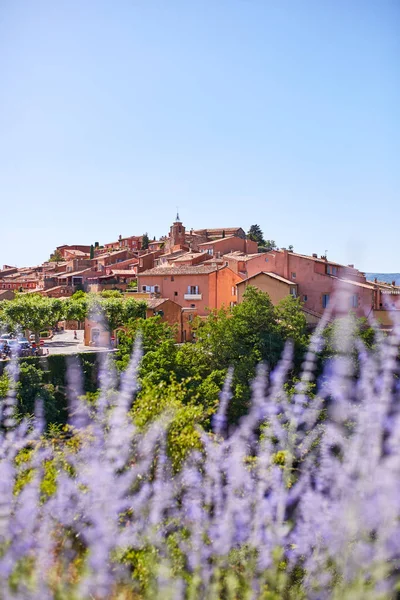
x=202, y=288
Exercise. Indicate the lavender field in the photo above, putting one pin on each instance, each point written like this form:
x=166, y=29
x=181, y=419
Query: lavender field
x=300, y=500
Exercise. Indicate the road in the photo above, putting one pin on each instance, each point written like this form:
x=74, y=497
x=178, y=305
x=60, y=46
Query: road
x=64, y=343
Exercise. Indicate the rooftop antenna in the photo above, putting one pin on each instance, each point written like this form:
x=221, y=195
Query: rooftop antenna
x=326, y=253
x=177, y=214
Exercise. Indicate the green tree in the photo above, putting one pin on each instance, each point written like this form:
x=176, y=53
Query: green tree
x=91, y=251
x=267, y=246
x=255, y=233
x=56, y=256
x=111, y=294
x=240, y=338
x=31, y=386
x=76, y=308
x=291, y=320
x=145, y=241
x=116, y=312
x=33, y=312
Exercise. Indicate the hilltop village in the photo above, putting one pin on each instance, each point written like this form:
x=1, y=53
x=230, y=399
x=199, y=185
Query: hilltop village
x=189, y=273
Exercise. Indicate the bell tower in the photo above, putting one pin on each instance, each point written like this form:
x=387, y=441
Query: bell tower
x=177, y=233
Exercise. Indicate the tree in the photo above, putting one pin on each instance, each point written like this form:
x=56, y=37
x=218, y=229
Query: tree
x=255, y=233
x=116, y=311
x=33, y=312
x=76, y=308
x=240, y=338
x=56, y=256
x=292, y=325
x=145, y=241
x=91, y=251
x=267, y=246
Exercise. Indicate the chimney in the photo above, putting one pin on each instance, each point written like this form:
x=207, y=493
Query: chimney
x=393, y=283
x=375, y=280
x=285, y=263
x=351, y=266
x=315, y=255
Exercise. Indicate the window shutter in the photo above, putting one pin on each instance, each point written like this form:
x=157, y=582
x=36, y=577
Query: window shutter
x=188, y=289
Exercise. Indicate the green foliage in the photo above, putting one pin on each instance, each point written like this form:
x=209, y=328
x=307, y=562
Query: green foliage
x=255, y=233
x=31, y=386
x=168, y=399
x=267, y=246
x=76, y=308
x=33, y=312
x=116, y=312
x=111, y=294
x=145, y=241
x=91, y=251
x=56, y=257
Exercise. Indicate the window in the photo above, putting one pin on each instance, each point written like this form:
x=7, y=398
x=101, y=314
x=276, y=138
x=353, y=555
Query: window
x=325, y=300
x=210, y=251
x=232, y=304
x=190, y=318
x=305, y=298
x=175, y=293
x=193, y=289
x=293, y=291
x=331, y=270
x=156, y=289
x=192, y=306
x=172, y=278
x=293, y=275
x=233, y=290
x=143, y=288
x=226, y=263
x=266, y=260
x=354, y=301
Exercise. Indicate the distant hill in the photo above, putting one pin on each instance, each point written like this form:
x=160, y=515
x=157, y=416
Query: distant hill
x=387, y=277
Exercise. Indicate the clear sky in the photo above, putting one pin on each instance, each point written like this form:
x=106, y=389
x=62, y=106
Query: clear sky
x=281, y=113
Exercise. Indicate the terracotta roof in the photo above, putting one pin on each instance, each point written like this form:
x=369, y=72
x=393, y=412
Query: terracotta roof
x=155, y=302
x=368, y=286
x=107, y=254
x=183, y=270
x=239, y=255
x=217, y=230
x=130, y=272
x=227, y=237
x=73, y=274
x=188, y=256
x=56, y=287
x=76, y=252
x=273, y=275
x=317, y=259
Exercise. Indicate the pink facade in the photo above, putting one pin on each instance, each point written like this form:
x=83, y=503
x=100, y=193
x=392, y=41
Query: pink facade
x=316, y=278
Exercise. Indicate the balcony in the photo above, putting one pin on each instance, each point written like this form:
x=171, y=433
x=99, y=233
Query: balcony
x=193, y=296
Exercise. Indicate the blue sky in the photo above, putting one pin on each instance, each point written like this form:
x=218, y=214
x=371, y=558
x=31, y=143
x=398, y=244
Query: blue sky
x=284, y=114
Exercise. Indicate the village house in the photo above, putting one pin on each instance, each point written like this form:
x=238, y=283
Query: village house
x=315, y=278
x=111, y=258
x=114, y=279
x=275, y=286
x=201, y=287
x=132, y=243
x=224, y=245
x=74, y=251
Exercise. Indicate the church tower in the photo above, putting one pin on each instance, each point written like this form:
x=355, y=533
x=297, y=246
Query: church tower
x=177, y=235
